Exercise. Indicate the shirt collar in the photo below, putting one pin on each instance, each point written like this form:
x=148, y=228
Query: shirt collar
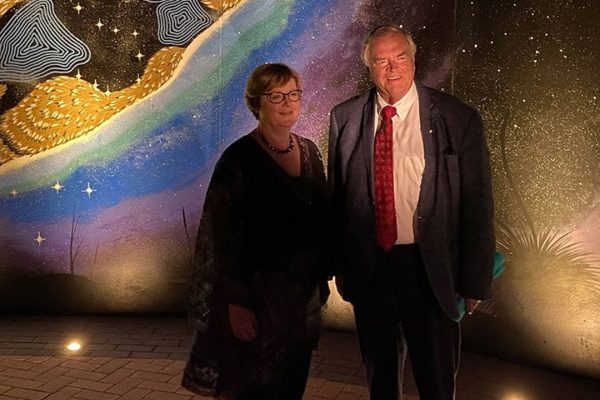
x=403, y=105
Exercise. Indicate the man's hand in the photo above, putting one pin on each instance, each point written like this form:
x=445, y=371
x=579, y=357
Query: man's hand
x=243, y=323
x=471, y=305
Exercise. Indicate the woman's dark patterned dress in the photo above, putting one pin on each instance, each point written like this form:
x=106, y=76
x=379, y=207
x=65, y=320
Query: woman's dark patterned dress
x=260, y=245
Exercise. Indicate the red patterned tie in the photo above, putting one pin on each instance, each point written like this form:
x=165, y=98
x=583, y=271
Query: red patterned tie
x=385, y=211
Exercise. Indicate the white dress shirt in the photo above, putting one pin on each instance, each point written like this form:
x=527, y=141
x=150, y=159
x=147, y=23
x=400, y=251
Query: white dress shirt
x=409, y=160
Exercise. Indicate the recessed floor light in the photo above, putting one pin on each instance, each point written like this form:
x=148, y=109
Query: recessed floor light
x=74, y=346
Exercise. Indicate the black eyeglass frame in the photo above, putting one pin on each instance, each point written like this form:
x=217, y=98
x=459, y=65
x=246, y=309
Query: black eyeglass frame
x=284, y=96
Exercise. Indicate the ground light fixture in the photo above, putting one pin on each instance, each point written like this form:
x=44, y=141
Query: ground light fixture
x=73, y=346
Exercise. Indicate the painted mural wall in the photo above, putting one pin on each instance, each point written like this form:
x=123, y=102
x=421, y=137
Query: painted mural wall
x=113, y=113
x=530, y=67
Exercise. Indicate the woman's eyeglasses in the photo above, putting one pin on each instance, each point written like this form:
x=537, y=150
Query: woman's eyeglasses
x=278, y=97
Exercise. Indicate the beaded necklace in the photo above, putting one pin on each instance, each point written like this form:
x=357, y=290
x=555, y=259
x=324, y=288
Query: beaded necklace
x=274, y=149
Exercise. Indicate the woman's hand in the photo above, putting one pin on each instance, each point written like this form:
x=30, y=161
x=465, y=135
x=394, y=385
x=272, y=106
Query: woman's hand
x=243, y=323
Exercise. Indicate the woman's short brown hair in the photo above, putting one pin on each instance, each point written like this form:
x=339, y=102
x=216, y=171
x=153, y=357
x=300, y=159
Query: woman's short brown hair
x=264, y=78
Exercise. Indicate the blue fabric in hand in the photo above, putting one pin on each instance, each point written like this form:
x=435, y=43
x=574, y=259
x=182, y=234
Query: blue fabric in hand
x=498, y=269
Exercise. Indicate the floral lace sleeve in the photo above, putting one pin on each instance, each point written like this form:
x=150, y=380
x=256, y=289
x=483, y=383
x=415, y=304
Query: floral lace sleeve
x=217, y=256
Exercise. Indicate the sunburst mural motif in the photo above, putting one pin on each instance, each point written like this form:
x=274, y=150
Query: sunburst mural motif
x=109, y=135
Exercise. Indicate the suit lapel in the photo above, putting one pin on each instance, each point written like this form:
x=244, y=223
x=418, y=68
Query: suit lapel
x=426, y=196
x=368, y=140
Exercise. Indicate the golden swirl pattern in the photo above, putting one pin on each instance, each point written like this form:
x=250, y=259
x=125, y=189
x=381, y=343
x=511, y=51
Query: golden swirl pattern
x=74, y=107
x=221, y=5
x=7, y=5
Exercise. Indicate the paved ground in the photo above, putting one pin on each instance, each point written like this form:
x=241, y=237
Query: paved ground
x=142, y=358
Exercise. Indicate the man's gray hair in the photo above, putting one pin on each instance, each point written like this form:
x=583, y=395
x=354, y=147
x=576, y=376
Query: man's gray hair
x=383, y=30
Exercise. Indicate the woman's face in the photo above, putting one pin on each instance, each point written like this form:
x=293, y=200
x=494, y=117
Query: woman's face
x=282, y=115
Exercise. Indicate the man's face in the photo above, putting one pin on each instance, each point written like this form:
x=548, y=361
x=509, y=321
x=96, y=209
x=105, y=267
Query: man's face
x=391, y=65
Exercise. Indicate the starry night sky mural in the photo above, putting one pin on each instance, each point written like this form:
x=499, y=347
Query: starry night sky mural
x=113, y=112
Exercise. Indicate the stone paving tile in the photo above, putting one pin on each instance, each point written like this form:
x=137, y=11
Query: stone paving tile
x=135, y=348
x=125, y=385
x=87, y=375
x=81, y=365
x=356, y=389
x=56, y=384
x=329, y=390
x=117, y=376
x=153, y=351
x=47, y=364
x=176, y=379
x=110, y=353
x=350, y=396
x=143, y=365
x=167, y=396
x=336, y=377
x=14, y=362
x=19, y=373
x=64, y=393
x=174, y=367
x=112, y=365
x=24, y=383
x=26, y=394
x=172, y=349
x=135, y=394
x=93, y=395
x=53, y=373
x=160, y=386
x=151, y=376
x=179, y=356
x=149, y=355
x=101, y=347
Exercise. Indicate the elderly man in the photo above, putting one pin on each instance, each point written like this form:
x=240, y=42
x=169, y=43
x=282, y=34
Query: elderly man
x=413, y=218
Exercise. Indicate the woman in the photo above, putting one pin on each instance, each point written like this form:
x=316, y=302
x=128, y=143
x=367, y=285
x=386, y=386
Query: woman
x=259, y=279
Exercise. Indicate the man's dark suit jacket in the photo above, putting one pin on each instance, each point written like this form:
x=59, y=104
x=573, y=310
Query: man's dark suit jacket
x=454, y=217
